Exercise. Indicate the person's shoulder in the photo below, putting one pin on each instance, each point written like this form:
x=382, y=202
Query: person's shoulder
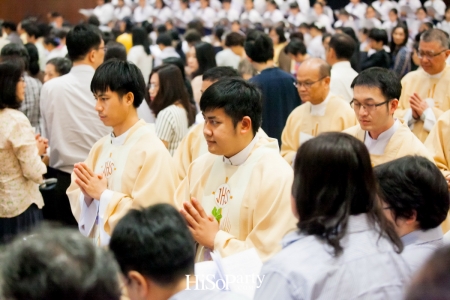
x=353, y=131
x=58, y=82
x=15, y=116
x=413, y=75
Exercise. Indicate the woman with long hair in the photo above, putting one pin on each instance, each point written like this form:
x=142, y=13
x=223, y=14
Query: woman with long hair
x=21, y=167
x=280, y=59
x=169, y=101
x=344, y=246
x=400, y=53
x=200, y=58
x=139, y=54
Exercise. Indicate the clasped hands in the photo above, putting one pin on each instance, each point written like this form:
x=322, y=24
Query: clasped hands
x=91, y=185
x=41, y=143
x=418, y=105
x=202, y=227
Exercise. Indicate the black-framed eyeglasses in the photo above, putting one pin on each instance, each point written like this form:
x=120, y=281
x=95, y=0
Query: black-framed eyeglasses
x=307, y=85
x=428, y=55
x=367, y=107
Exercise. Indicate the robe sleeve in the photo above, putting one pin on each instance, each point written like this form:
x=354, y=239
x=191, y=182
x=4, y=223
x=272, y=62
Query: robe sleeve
x=436, y=144
x=271, y=217
x=289, y=142
x=183, y=156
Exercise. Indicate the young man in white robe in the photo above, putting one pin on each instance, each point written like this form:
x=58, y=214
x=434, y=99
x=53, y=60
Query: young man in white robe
x=321, y=111
x=375, y=98
x=124, y=167
x=236, y=197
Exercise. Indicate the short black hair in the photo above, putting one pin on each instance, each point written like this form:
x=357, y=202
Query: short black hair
x=81, y=40
x=32, y=30
x=234, y=39
x=115, y=50
x=155, y=242
x=295, y=47
x=192, y=36
x=413, y=183
x=217, y=73
x=9, y=25
x=218, y=32
x=258, y=47
x=62, y=65
x=33, y=63
x=93, y=20
x=58, y=264
x=164, y=39
x=378, y=35
x=238, y=99
x=10, y=73
x=121, y=77
x=343, y=45
x=386, y=80
x=16, y=51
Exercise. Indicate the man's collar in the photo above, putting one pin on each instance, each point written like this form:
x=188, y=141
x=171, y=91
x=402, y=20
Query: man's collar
x=240, y=158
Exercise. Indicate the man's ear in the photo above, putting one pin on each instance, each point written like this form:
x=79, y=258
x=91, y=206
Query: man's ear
x=413, y=218
x=138, y=285
x=129, y=98
x=246, y=124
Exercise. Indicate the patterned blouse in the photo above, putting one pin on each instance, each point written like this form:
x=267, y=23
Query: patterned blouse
x=21, y=168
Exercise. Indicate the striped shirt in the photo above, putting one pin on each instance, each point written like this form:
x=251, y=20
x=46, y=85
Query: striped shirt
x=172, y=125
x=30, y=105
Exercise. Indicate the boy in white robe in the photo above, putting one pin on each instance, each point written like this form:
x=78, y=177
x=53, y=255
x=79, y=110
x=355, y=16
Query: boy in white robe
x=376, y=92
x=123, y=168
x=239, y=191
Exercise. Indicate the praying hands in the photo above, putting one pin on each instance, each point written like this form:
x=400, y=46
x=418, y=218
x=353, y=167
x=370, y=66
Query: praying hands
x=92, y=185
x=418, y=105
x=203, y=228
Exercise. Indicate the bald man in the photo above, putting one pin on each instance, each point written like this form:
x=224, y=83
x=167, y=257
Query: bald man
x=425, y=92
x=322, y=111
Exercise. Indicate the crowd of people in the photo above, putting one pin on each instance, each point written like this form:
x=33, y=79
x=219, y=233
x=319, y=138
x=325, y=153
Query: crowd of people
x=161, y=134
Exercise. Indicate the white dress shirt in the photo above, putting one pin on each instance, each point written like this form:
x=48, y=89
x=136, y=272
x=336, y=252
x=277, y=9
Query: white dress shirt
x=162, y=15
x=231, y=15
x=315, y=47
x=142, y=14
x=358, y=10
x=413, y=6
x=444, y=25
x=60, y=51
x=384, y=7
x=122, y=12
x=142, y=60
x=275, y=16
x=260, y=6
x=253, y=16
x=183, y=17
x=320, y=109
x=207, y=16
x=297, y=19
x=342, y=76
x=70, y=120
x=165, y=53
x=377, y=147
x=438, y=5
x=304, y=6
x=104, y=13
x=227, y=58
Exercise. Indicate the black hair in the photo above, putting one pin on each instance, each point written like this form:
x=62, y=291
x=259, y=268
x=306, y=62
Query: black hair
x=155, y=242
x=161, y=29
x=121, y=77
x=259, y=47
x=414, y=184
x=10, y=73
x=238, y=99
x=206, y=57
x=93, y=20
x=218, y=32
x=343, y=45
x=192, y=36
x=325, y=36
x=279, y=30
x=394, y=48
x=33, y=54
x=115, y=50
x=387, y=81
x=349, y=31
x=197, y=25
x=32, y=30
x=217, y=73
x=58, y=264
x=295, y=47
x=9, y=25
x=62, y=65
x=52, y=40
x=81, y=40
x=13, y=51
x=140, y=37
x=234, y=39
x=297, y=35
x=378, y=35
x=334, y=180
x=164, y=39
x=394, y=10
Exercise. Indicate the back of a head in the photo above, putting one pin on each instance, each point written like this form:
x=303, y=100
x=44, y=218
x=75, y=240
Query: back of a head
x=432, y=282
x=414, y=184
x=81, y=40
x=238, y=99
x=9, y=25
x=115, y=50
x=164, y=39
x=343, y=45
x=333, y=179
x=155, y=242
x=121, y=77
x=383, y=79
x=295, y=47
x=13, y=51
x=259, y=47
x=33, y=54
x=435, y=35
x=349, y=31
x=10, y=73
x=217, y=73
x=140, y=37
x=178, y=62
x=234, y=39
x=32, y=30
x=62, y=65
x=192, y=36
x=206, y=57
x=93, y=20
x=378, y=35
x=58, y=264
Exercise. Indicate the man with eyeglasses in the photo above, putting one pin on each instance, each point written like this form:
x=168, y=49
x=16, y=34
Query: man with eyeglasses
x=375, y=99
x=425, y=92
x=322, y=111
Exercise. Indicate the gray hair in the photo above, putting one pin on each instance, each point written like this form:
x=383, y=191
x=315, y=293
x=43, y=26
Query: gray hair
x=58, y=264
x=435, y=35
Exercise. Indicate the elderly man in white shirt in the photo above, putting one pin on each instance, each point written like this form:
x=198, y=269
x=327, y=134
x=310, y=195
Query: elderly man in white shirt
x=70, y=121
x=338, y=54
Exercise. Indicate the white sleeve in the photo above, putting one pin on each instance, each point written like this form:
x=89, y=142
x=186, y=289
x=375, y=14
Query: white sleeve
x=105, y=199
x=88, y=215
x=408, y=118
x=429, y=119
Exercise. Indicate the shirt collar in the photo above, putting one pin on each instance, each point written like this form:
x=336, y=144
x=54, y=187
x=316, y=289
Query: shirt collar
x=341, y=65
x=319, y=109
x=82, y=68
x=241, y=157
x=119, y=140
x=377, y=146
x=438, y=75
x=422, y=236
